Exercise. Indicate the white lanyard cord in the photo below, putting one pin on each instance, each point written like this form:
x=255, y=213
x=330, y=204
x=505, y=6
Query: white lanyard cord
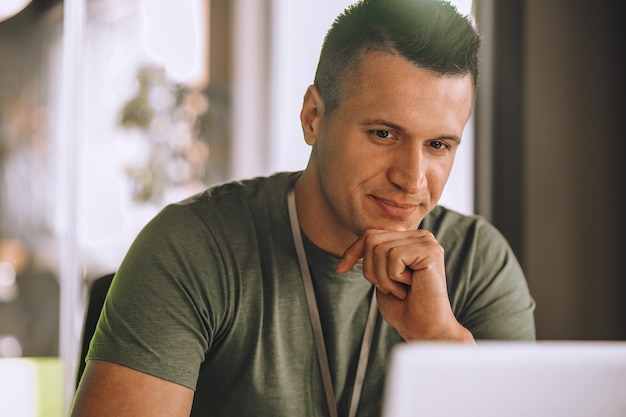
x=316, y=324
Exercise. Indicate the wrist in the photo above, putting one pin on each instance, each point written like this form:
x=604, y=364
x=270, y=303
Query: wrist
x=455, y=333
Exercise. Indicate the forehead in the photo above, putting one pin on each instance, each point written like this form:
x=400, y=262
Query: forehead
x=388, y=86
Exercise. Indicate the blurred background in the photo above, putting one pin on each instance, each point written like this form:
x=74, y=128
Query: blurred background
x=110, y=109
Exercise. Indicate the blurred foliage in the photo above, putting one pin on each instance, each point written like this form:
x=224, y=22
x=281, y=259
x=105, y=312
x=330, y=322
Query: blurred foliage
x=177, y=123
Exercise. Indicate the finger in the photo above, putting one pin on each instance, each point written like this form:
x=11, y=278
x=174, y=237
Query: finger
x=375, y=265
x=354, y=253
x=398, y=258
x=351, y=256
x=368, y=241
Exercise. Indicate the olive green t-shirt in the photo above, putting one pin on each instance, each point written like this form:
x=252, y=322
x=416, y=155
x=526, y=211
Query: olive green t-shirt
x=210, y=296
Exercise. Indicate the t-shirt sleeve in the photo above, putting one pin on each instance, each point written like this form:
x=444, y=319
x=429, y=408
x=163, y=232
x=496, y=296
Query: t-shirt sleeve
x=157, y=317
x=496, y=302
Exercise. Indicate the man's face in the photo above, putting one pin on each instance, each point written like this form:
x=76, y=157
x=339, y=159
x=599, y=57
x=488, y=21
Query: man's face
x=383, y=156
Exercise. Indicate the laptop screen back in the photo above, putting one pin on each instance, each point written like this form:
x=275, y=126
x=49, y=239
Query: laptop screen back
x=507, y=379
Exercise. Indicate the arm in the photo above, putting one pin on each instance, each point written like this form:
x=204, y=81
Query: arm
x=107, y=389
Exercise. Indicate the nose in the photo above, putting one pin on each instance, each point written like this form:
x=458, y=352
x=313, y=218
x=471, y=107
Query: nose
x=408, y=170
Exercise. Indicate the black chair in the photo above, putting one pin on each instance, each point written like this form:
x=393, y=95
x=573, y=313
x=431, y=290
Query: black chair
x=97, y=293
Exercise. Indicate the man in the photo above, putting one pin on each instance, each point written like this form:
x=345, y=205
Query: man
x=222, y=308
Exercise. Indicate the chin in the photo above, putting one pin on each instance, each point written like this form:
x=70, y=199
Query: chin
x=394, y=226
x=404, y=228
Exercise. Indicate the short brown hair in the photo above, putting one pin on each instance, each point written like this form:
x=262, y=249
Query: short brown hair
x=430, y=33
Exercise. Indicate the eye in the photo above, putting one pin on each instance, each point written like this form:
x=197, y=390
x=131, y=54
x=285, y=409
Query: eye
x=382, y=134
x=437, y=144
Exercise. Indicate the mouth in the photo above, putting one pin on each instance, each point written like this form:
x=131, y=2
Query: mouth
x=396, y=209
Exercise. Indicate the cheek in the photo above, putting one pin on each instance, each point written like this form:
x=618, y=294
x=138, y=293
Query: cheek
x=438, y=177
x=358, y=165
x=348, y=156
x=337, y=153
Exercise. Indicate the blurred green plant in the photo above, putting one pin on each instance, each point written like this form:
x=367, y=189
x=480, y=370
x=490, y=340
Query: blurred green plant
x=177, y=126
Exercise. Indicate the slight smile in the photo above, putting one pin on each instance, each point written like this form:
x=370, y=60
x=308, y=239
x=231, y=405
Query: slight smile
x=394, y=209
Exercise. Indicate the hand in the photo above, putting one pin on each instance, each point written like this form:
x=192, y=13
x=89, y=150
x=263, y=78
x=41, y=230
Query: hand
x=408, y=270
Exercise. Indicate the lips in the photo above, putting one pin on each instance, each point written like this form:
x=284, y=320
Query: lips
x=392, y=208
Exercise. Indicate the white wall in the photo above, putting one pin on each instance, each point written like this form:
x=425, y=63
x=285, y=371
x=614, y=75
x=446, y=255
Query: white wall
x=298, y=30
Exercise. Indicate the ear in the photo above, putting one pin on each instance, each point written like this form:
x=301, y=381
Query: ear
x=311, y=115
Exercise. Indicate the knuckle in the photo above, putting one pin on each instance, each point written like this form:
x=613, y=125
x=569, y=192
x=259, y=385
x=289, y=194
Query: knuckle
x=370, y=276
x=394, y=253
x=378, y=251
x=369, y=238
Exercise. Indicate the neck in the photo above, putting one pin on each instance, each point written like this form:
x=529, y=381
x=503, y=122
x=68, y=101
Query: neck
x=316, y=222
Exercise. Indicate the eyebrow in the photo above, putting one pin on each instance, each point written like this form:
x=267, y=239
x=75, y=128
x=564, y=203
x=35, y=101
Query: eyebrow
x=383, y=123
x=398, y=128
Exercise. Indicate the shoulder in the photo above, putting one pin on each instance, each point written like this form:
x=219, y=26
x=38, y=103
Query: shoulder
x=470, y=241
x=450, y=225
x=227, y=219
x=227, y=202
x=237, y=196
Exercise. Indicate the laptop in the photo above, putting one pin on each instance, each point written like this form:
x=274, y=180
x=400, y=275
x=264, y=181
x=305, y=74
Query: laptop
x=507, y=379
